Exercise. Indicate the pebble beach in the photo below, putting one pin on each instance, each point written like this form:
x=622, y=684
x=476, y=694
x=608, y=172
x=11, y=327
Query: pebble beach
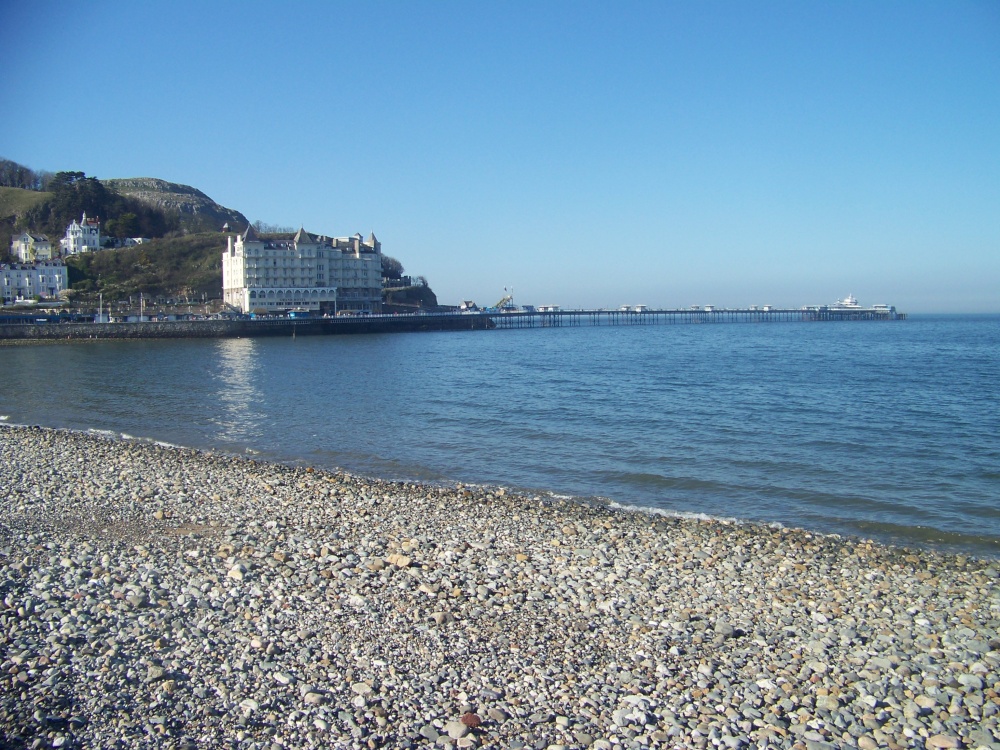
x=153, y=596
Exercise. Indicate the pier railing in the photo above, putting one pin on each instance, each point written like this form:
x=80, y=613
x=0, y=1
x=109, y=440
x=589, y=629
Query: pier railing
x=524, y=319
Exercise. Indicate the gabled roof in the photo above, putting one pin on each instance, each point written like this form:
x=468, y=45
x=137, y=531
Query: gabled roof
x=303, y=236
x=371, y=239
x=251, y=234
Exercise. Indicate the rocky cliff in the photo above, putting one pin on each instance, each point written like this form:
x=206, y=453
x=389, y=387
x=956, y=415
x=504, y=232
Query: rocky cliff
x=197, y=212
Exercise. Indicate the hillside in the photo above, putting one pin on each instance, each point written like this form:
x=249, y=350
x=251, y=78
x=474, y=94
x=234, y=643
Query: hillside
x=15, y=203
x=68, y=196
x=182, y=258
x=409, y=299
x=157, y=208
x=186, y=266
x=196, y=211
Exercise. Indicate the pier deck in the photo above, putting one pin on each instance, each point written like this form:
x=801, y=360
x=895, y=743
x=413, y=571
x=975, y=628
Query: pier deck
x=523, y=319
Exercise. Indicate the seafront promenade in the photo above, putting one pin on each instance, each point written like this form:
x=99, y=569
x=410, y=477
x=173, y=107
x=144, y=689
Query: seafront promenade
x=243, y=327
x=158, y=596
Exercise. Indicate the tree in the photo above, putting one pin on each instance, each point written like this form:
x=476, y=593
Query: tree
x=62, y=180
x=263, y=227
x=73, y=193
x=126, y=225
x=391, y=268
x=17, y=175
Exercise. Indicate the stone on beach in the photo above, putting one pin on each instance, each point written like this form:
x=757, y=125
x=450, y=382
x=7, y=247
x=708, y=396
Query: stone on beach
x=208, y=600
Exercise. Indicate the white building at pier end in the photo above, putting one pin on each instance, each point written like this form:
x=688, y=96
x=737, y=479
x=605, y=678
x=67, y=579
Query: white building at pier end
x=302, y=272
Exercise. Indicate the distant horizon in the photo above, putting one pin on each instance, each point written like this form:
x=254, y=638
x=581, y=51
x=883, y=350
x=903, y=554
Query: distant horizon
x=667, y=154
x=289, y=229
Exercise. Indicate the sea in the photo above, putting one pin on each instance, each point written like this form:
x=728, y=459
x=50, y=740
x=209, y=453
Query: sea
x=884, y=430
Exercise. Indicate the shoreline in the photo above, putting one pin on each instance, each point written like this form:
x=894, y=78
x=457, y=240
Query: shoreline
x=940, y=543
x=167, y=595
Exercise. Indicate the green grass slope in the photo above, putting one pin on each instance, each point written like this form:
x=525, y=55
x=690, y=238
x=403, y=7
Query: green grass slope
x=187, y=266
x=14, y=203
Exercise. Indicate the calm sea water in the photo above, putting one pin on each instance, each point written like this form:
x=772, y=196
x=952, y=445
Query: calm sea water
x=884, y=430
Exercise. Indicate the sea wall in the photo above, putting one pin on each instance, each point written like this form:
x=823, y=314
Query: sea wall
x=244, y=328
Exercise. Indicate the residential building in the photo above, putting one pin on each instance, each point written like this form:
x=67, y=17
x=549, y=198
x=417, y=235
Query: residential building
x=28, y=248
x=82, y=236
x=302, y=272
x=21, y=282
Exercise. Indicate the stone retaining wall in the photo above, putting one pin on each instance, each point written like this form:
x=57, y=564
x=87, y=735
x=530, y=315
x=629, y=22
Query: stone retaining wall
x=235, y=328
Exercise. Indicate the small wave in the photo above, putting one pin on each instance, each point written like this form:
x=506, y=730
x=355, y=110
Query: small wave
x=111, y=434
x=667, y=513
x=4, y=417
x=164, y=444
x=151, y=441
x=980, y=545
x=124, y=436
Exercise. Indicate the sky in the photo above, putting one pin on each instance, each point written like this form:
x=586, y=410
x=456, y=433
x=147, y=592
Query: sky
x=584, y=154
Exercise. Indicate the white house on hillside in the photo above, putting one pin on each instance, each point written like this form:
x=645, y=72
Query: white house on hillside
x=28, y=248
x=82, y=237
x=303, y=272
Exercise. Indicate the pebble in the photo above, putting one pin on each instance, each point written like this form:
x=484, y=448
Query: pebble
x=941, y=741
x=228, y=602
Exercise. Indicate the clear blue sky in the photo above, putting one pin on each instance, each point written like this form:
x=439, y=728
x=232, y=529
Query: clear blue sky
x=588, y=154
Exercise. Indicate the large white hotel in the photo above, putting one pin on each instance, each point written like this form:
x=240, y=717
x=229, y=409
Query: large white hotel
x=304, y=272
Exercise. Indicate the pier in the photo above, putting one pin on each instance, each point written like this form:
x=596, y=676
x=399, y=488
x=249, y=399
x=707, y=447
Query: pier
x=551, y=318
x=52, y=327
